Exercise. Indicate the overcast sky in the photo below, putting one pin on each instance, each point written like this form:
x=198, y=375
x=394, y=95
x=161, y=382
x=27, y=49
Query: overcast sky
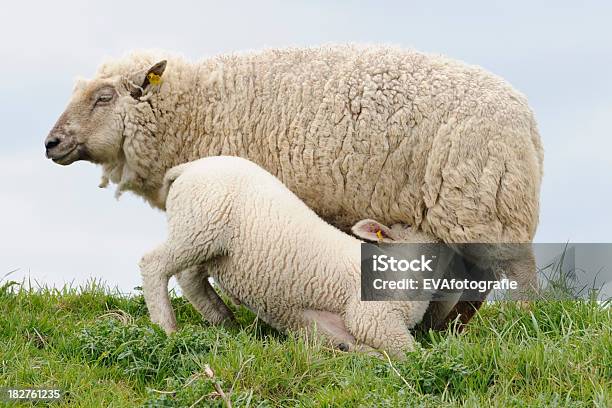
x=57, y=226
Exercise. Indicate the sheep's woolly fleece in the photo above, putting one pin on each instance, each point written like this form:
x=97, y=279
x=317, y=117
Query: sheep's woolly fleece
x=356, y=132
x=269, y=251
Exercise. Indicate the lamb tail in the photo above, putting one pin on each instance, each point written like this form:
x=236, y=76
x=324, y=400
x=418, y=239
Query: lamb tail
x=169, y=178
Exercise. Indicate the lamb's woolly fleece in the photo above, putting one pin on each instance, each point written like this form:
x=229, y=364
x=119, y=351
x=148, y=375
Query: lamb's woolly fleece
x=267, y=249
x=356, y=132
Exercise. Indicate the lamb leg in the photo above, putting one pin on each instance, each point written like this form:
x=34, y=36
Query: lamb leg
x=198, y=290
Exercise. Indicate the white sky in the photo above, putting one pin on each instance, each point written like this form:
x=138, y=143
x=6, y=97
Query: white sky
x=56, y=226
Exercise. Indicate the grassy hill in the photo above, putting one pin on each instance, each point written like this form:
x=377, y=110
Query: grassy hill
x=99, y=347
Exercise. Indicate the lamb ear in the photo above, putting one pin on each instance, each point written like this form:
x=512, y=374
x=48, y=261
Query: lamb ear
x=152, y=77
x=372, y=230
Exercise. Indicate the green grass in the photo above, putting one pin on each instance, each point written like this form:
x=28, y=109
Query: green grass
x=100, y=348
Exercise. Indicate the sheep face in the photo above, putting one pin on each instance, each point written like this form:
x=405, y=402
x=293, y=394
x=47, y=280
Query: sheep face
x=92, y=126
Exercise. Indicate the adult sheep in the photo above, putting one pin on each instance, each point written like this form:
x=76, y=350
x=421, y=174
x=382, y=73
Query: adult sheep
x=356, y=132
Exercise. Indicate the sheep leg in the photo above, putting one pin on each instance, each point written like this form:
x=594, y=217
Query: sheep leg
x=331, y=328
x=328, y=325
x=198, y=290
x=156, y=270
x=524, y=271
x=438, y=312
x=381, y=326
x=439, y=315
x=186, y=248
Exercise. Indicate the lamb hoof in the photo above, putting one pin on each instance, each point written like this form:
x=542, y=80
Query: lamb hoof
x=343, y=347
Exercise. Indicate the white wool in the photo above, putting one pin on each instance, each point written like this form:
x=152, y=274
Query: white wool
x=268, y=250
x=355, y=132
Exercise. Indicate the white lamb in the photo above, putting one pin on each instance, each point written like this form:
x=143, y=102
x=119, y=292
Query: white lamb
x=267, y=249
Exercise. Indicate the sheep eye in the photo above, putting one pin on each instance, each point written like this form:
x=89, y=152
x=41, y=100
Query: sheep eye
x=104, y=98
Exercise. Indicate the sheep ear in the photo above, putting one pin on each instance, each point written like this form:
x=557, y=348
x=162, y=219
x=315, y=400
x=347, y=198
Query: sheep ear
x=372, y=230
x=152, y=77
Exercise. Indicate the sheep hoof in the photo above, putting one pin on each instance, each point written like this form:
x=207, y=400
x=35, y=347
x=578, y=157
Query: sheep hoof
x=343, y=347
x=170, y=329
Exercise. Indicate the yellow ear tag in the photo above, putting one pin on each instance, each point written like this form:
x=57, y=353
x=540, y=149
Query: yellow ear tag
x=154, y=79
x=379, y=235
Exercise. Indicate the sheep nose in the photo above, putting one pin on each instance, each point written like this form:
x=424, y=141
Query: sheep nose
x=51, y=142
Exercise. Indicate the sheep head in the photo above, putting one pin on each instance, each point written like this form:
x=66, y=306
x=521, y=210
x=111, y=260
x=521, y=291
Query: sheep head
x=92, y=126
